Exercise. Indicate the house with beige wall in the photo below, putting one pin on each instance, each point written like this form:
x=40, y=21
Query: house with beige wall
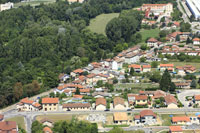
x=120, y=118
x=118, y=103
x=171, y=101
x=28, y=105
x=197, y=99
x=100, y=104
x=141, y=100
x=50, y=104
x=76, y=107
x=181, y=120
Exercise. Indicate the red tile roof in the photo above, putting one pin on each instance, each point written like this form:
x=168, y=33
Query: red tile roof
x=118, y=100
x=27, y=101
x=175, y=128
x=47, y=130
x=144, y=113
x=85, y=90
x=91, y=75
x=78, y=71
x=37, y=105
x=181, y=119
x=146, y=66
x=100, y=101
x=50, y=100
x=170, y=99
x=196, y=39
x=166, y=65
x=6, y=126
x=78, y=96
x=197, y=97
x=152, y=40
x=76, y=105
x=134, y=66
x=141, y=97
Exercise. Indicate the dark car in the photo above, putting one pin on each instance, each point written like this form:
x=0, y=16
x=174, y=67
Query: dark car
x=107, y=110
x=129, y=109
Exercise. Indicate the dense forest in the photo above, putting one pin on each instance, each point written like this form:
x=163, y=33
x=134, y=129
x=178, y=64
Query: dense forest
x=36, y=44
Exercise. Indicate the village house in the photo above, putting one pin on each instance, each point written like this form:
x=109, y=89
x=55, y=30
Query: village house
x=120, y=118
x=76, y=72
x=147, y=93
x=175, y=129
x=50, y=104
x=92, y=78
x=158, y=94
x=132, y=58
x=180, y=71
x=181, y=120
x=76, y=106
x=47, y=130
x=101, y=104
x=118, y=103
x=131, y=99
x=175, y=25
x=152, y=42
x=63, y=77
x=169, y=67
x=146, y=68
x=68, y=92
x=137, y=68
x=157, y=9
x=171, y=101
x=28, y=105
x=182, y=85
x=47, y=122
x=141, y=100
x=117, y=64
x=197, y=99
x=101, y=94
x=8, y=127
x=146, y=117
x=85, y=91
x=69, y=86
x=196, y=41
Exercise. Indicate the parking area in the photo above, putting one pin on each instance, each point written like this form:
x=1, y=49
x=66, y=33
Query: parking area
x=182, y=96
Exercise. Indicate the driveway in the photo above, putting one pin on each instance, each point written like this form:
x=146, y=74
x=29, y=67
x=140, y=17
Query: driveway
x=182, y=95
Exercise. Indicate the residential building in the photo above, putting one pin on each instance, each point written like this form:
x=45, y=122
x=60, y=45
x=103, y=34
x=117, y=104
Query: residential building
x=182, y=85
x=171, y=101
x=181, y=120
x=197, y=99
x=132, y=58
x=50, y=104
x=28, y=105
x=76, y=107
x=146, y=68
x=47, y=130
x=141, y=100
x=157, y=9
x=152, y=42
x=47, y=122
x=146, y=117
x=8, y=127
x=101, y=104
x=137, y=68
x=118, y=103
x=76, y=72
x=169, y=67
x=158, y=94
x=175, y=129
x=6, y=6
x=120, y=118
x=131, y=99
x=196, y=41
x=85, y=91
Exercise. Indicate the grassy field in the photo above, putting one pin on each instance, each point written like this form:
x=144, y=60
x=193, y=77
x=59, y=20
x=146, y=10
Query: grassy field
x=33, y=3
x=55, y=117
x=19, y=120
x=98, y=24
x=197, y=65
x=137, y=86
x=149, y=33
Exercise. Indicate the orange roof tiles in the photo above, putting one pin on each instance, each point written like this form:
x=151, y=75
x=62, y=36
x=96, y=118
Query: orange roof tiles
x=134, y=66
x=118, y=100
x=8, y=126
x=181, y=119
x=197, y=97
x=26, y=100
x=37, y=105
x=170, y=99
x=147, y=113
x=49, y=100
x=47, y=130
x=166, y=65
x=78, y=96
x=91, y=75
x=141, y=97
x=152, y=40
x=85, y=90
x=146, y=66
x=196, y=39
x=78, y=71
x=100, y=101
x=175, y=128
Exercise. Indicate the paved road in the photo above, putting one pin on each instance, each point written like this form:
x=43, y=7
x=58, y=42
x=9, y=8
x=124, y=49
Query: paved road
x=29, y=116
x=185, y=18
x=183, y=94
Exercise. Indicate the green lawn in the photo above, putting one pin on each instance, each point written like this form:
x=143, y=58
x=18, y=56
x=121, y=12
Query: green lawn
x=149, y=33
x=19, y=120
x=98, y=24
x=197, y=65
x=166, y=120
x=33, y=3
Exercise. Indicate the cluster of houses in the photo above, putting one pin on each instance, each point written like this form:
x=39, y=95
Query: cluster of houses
x=7, y=126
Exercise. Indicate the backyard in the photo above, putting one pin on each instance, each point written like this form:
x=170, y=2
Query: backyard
x=98, y=24
x=55, y=117
x=19, y=120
